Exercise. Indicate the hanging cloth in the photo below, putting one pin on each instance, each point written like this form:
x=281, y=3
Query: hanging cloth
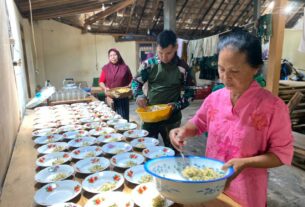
x=265, y=27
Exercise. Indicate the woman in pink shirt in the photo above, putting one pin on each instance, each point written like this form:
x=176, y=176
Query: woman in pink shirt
x=248, y=128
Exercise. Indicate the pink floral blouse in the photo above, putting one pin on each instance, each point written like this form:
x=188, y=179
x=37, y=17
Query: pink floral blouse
x=258, y=123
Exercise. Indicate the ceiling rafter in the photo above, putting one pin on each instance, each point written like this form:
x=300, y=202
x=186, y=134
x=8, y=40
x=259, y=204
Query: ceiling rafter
x=202, y=18
x=229, y=14
x=181, y=10
x=64, y=11
x=212, y=17
x=42, y=4
x=117, y=7
x=130, y=15
x=158, y=15
x=242, y=13
x=141, y=16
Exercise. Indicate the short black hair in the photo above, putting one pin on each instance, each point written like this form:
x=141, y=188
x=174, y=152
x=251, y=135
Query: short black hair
x=243, y=42
x=166, y=38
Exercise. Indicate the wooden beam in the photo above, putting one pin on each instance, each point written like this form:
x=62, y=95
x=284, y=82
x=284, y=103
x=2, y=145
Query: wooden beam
x=155, y=13
x=109, y=11
x=42, y=4
x=229, y=14
x=242, y=13
x=276, y=47
x=62, y=12
x=130, y=15
x=203, y=16
x=181, y=10
x=212, y=17
x=158, y=15
x=143, y=10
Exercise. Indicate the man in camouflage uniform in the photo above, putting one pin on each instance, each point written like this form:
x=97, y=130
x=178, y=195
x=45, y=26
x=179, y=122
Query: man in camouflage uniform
x=167, y=75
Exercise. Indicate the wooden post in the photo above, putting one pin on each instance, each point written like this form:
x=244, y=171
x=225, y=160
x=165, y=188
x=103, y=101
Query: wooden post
x=276, y=46
x=170, y=14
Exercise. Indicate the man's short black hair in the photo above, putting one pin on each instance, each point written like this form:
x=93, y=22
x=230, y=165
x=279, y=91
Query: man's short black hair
x=166, y=38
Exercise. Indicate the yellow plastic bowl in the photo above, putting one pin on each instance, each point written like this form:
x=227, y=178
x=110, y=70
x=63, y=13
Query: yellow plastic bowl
x=149, y=116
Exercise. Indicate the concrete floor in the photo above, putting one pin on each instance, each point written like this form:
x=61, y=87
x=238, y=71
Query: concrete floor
x=286, y=183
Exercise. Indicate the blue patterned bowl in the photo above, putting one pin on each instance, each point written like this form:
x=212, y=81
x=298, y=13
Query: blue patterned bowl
x=170, y=182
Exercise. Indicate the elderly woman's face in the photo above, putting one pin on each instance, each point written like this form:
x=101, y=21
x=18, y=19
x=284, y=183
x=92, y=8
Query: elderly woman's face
x=234, y=71
x=113, y=57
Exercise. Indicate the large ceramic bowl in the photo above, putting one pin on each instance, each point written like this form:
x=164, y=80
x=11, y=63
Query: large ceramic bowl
x=174, y=186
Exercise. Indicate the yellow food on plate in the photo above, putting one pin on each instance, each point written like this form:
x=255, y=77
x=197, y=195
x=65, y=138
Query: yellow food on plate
x=197, y=174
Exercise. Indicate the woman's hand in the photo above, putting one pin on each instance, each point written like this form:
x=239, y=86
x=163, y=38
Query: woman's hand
x=178, y=137
x=238, y=165
x=141, y=102
x=109, y=101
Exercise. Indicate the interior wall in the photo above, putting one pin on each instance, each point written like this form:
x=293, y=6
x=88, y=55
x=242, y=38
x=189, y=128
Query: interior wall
x=9, y=103
x=65, y=52
x=292, y=38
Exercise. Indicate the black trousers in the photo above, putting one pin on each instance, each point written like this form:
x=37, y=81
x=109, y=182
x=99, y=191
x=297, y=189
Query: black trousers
x=121, y=106
x=163, y=129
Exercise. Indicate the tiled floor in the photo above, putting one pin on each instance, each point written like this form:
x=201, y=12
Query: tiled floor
x=286, y=183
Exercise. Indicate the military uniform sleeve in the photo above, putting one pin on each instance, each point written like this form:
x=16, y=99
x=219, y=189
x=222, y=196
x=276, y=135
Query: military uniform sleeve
x=188, y=86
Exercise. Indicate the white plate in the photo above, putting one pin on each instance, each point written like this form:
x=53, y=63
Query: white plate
x=52, y=159
x=125, y=126
x=107, y=199
x=127, y=160
x=114, y=148
x=75, y=134
x=142, y=143
x=54, y=173
x=52, y=147
x=69, y=204
x=88, y=119
x=93, y=125
x=136, y=133
x=101, y=131
x=98, y=182
x=48, y=139
x=114, y=137
x=109, y=115
x=57, y=192
x=82, y=142
x=64, y=122
x=113, y=122
x=91, y=165
x=85, y=152
x=71, y=127
x=44, y=132
x=44, y=125
x=41, y=120
x=158, y=151
x=144, y=194
x=137, y=175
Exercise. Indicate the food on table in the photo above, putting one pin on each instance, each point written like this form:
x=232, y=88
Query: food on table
x=107, y=187
x=90, y=154
x=194, y=173
x=96, y=168
x=130, y=163
x=58, y=161
x=145, y=179
x=59, y=176
x=158, y=201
